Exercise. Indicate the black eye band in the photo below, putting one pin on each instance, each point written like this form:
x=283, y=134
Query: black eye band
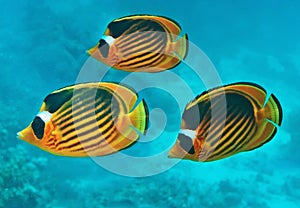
x=192, y=117
x=186, y=143
x=103, y=47
x=38, y=126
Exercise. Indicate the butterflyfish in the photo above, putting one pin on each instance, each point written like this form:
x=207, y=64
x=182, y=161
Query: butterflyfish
x=88, y=119
x=142, y=43
x=227, y=120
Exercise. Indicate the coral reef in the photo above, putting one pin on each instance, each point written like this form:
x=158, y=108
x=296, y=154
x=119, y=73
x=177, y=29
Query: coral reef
x=22, y=181
x=171, y=191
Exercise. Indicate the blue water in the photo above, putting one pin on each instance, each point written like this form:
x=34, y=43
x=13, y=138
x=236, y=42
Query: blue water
x=42, y=48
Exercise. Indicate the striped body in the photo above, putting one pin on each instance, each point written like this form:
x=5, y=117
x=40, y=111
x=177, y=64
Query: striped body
x=141, y=43
x=90, y=119
x=227, y=120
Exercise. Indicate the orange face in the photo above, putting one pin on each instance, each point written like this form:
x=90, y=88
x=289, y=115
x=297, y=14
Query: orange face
x=105, y=51
x=187, y=148
x=41, y=132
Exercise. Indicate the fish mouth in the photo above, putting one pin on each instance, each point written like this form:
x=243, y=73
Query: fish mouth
x=20, y=135
x=91, y=51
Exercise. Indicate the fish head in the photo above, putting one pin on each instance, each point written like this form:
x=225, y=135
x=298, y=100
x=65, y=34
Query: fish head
x=186, y=147
x=39, y=132
x=28, y=135
x=105, y=51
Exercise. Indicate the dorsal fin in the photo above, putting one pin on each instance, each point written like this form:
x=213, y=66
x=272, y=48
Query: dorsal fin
x=157, y=23
x=128, y=95
x=250, y=89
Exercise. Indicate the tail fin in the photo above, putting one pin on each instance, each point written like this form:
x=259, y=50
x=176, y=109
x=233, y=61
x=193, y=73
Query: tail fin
x=271, y=117
x=139, y=117
x=273, y=110
x=181, y=47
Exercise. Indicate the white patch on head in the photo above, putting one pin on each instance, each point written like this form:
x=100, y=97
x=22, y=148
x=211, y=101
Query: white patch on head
x=188, y=133
x=45, y=116
x=108, y=39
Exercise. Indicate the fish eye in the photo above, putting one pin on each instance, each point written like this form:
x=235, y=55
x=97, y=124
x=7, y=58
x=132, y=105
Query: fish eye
x=186, y=143
x=103, y=47
x=38, y=126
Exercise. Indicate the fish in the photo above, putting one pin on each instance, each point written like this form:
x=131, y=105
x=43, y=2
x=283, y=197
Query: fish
x=227, y=120
x=88, y=119
x=143, y=43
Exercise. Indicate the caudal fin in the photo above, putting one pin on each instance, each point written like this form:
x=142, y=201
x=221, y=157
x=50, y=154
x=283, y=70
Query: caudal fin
x=181, y=47
x=273, y=110
x=270, y=118
x=139, y=117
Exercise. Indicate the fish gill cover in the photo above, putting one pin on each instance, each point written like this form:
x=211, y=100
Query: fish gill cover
x=43, y=47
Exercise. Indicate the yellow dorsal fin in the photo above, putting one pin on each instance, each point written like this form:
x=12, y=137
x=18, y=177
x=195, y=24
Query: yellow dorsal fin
x=252, y=90
x=128, y=95
x=270, y=110
x=172, y=26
